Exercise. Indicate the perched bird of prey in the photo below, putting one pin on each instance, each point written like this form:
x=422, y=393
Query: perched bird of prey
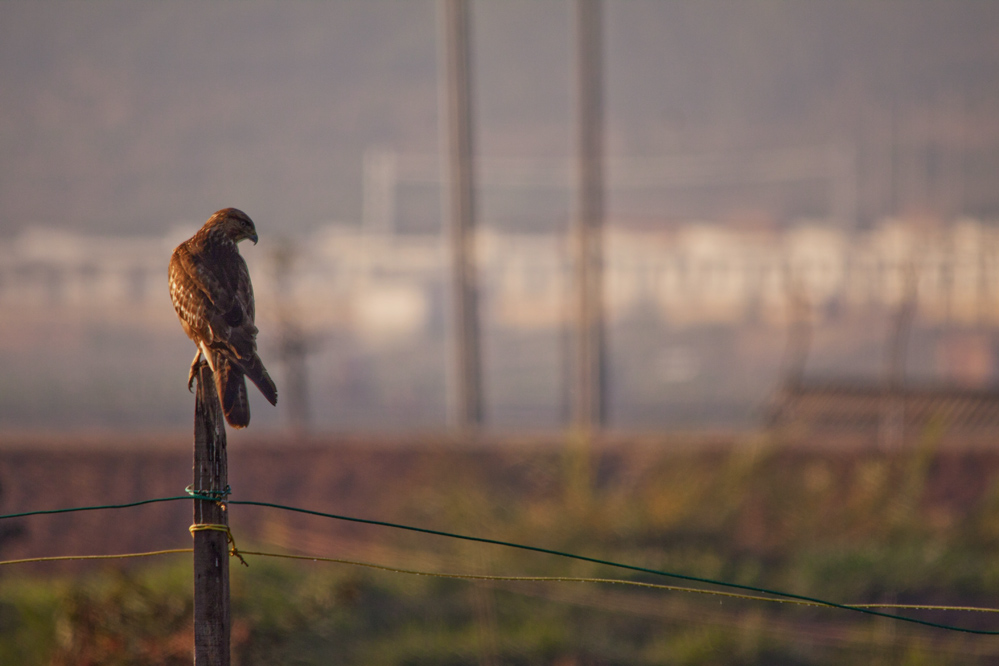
x=211, y=292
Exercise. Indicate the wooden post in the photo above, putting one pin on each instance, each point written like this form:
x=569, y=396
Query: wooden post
x=211, y=547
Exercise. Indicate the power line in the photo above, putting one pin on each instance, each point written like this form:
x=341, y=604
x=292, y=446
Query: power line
x=39, y=512
x=867, y=609
x=493, y=577
x=611, y=581
x=119, y=556
x=629, y=567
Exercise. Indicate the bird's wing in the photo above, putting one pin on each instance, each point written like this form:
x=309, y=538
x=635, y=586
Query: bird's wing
x=248, y=360
x=189, y=297
x=204, y=270
x=216, y=286
x=240, y=276
x=242, y=335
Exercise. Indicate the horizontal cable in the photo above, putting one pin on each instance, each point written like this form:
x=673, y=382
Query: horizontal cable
x=499, y=578
x=74, y=509
x=614, y=581
x=867, y=609
x=122, y=556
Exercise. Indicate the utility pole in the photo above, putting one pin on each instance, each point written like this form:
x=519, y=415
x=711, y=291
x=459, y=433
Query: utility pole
x=294, y=345
x=210, y=529
x=891, y=434
x=459, y=204
x=588, y=402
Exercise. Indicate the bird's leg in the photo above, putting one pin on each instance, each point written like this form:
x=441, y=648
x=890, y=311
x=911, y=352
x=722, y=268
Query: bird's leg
x=196, y=364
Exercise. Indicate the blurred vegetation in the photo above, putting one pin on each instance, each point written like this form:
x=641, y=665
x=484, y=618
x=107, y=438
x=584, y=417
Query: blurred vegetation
x=914, y=527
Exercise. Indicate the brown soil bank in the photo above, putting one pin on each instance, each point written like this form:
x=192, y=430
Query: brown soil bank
x=745, y=497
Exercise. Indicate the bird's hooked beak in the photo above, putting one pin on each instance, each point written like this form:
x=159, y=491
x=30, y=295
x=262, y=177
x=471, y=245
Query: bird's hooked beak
x=253, y=238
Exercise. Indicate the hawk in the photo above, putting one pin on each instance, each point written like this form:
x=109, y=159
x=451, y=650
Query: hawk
x=211, y=292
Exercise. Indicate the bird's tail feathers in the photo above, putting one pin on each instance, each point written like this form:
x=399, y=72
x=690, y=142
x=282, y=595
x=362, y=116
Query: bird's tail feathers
x=232, y=392
x=255, y=371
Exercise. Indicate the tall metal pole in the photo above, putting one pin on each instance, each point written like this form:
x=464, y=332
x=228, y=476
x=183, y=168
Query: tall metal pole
x=588, y=403
x=293, y=344
x=456, y=145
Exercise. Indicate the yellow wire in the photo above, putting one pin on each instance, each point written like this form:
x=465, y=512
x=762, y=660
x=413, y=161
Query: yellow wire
x=210, y=527
x=219, y=527
x=61, y=558
x=616, y=581
x=487, y=577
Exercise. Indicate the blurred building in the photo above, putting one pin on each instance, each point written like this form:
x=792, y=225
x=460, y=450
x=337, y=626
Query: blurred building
x=387, y=285
x=693, y=305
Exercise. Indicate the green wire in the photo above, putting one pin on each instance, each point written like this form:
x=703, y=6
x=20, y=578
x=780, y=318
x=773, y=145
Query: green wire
x=94, y=508
x=656, y=572
x=535, y=549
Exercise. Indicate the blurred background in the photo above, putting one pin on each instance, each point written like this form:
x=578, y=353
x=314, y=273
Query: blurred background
x=748, y=147
x=791, y=376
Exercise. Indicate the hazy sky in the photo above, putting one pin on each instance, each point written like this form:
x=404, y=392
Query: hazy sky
x=124, y=116
x=129, y=117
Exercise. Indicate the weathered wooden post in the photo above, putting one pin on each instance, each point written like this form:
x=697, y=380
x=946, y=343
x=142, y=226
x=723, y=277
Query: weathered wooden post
x=210, y=529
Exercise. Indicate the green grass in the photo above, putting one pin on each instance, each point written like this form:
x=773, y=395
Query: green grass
x=864, y=527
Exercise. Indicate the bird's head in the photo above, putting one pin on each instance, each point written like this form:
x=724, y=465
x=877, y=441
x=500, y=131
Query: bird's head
x=236, y=224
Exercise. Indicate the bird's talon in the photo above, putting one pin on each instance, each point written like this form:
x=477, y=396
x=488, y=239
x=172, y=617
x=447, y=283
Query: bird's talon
x=199, y=361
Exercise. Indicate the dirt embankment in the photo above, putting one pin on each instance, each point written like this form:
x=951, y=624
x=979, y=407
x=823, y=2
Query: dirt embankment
x=377, y=479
